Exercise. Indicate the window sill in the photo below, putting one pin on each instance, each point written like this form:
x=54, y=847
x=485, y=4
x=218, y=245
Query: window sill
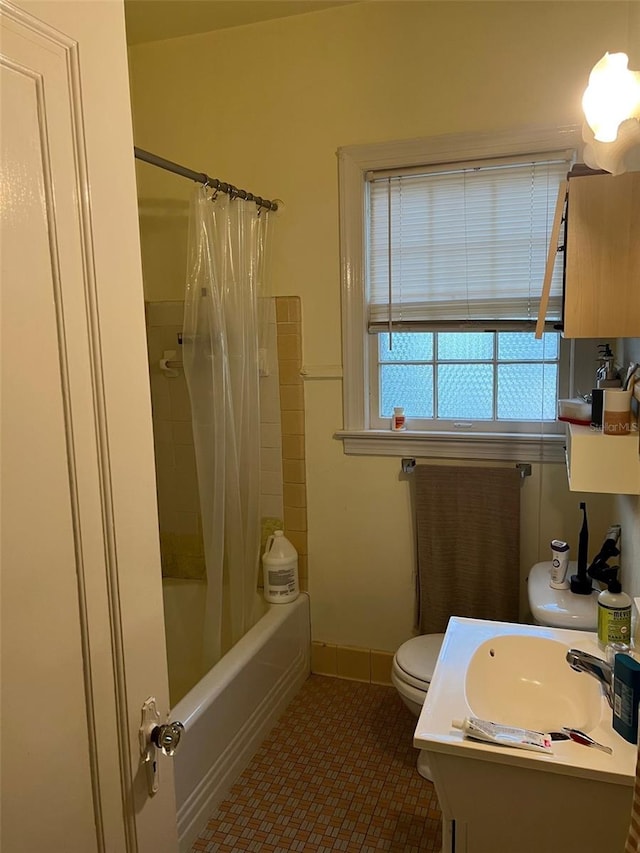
x=523, y=447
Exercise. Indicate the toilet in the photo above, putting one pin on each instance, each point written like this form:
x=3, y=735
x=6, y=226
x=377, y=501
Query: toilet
x=560, y=608
x=411, y=674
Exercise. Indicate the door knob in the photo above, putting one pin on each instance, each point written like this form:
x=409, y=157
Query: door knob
x=167, y=737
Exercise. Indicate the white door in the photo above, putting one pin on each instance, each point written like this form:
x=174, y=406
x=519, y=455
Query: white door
x=82, y=624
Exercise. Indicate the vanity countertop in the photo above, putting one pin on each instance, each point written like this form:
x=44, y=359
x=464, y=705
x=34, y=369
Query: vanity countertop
x=447, y=700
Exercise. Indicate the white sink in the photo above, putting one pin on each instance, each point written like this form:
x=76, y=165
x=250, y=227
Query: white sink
x=526, y=681
x=518, y=675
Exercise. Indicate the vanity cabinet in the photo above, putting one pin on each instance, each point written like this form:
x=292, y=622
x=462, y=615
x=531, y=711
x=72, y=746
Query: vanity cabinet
x=601, y=290
x=495, y=799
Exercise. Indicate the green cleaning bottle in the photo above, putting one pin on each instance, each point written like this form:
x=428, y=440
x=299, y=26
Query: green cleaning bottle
x=614, y=615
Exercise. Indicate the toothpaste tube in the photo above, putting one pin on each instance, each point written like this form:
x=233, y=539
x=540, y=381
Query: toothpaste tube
x=488, y=732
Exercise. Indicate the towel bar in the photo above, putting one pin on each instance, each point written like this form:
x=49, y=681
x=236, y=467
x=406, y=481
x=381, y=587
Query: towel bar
x=408, y=464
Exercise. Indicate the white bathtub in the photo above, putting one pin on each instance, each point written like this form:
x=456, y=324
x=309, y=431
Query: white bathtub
x=230, y=711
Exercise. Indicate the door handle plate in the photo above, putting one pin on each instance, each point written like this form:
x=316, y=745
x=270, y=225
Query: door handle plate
x=153, y=737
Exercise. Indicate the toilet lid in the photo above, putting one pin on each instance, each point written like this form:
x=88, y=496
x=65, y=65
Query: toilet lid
x=417, y=657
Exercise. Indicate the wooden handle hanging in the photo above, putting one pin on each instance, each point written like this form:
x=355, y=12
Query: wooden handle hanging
x=563, y=189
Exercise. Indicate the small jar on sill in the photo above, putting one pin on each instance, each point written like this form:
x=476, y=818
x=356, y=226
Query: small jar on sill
x=398, y=420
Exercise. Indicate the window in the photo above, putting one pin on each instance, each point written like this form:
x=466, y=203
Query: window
x=485, y=381
x=444, y=246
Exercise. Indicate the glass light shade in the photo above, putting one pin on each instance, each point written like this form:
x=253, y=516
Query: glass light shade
x=612, y=96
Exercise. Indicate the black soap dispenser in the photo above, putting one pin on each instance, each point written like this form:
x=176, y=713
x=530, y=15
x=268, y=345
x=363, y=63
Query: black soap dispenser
x=606, y=374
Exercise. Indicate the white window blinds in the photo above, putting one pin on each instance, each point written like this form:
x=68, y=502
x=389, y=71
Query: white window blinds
x=462, y=245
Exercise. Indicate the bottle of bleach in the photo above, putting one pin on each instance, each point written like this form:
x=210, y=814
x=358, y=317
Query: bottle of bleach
x=280, y=566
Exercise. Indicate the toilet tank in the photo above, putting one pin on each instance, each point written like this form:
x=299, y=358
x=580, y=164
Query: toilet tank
x=560, y=608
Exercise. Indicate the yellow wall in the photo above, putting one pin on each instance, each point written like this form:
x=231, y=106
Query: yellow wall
x=265, y=107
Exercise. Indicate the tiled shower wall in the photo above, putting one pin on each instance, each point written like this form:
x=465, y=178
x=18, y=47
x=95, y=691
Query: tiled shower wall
x=270, y=433
x=289, y=335
x=283, y=495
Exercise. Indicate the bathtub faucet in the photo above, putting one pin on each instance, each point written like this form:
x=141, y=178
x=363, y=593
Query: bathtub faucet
x=598, y=668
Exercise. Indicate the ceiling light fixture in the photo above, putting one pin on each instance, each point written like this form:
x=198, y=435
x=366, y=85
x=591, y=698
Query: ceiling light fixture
x=611, y=105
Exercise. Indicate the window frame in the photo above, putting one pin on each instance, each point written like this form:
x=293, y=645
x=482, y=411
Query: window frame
x=353, y=164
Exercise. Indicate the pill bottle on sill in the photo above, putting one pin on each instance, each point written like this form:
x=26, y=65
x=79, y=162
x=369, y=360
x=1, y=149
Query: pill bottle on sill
x=398, y=420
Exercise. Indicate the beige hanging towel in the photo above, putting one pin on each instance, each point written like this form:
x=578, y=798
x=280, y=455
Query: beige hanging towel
x=468, y=528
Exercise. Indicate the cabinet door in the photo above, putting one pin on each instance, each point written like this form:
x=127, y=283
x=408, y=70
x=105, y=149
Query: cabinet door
x=602, y=285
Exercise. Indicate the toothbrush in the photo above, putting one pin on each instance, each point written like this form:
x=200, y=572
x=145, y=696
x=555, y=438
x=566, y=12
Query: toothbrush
x=580, y=737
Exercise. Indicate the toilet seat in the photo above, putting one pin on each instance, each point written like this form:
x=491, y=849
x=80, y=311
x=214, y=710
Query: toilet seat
x=411, y=674
x=415, y=660
x=408, y=680
x=413, y=697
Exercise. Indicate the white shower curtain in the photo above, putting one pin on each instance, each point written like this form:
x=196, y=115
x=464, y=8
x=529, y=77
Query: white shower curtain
x=227, y=239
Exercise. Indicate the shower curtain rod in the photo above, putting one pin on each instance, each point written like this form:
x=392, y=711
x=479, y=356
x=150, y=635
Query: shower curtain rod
x=202, y=178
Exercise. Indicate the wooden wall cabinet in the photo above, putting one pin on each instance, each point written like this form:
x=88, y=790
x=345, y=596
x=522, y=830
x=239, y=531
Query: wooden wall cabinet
x=602, y=256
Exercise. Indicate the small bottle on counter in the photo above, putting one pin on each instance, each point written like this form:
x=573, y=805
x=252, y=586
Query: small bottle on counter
x=559, y=564
x=398, y=420
x=614, y=615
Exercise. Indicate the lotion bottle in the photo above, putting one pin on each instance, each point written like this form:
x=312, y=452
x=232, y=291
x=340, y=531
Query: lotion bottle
x=559, y=564
x=614, y=615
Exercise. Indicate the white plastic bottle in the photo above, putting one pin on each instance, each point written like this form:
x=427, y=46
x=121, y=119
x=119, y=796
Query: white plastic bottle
x=614, y=615
x=559, y=564
x=280, y=569
x=398, y=420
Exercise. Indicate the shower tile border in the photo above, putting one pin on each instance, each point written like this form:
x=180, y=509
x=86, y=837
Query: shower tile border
x=292, y=424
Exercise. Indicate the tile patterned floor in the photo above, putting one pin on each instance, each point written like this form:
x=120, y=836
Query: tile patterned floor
x=336, y=773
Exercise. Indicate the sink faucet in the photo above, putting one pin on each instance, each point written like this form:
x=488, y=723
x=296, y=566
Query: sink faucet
x=598, y=668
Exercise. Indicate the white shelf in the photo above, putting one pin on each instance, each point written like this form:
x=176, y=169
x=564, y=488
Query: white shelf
x=604, y=464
